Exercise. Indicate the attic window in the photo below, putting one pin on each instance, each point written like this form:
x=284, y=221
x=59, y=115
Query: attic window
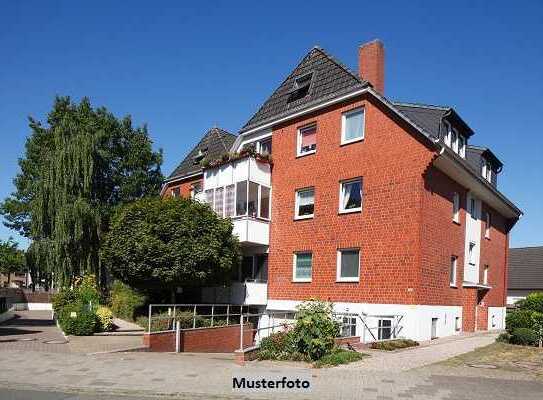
x=199, y=156
x=301, y=87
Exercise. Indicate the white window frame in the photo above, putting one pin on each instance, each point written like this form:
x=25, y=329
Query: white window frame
x=447, y=138
x=471, y=253
x=379, y=328
x=488, y=221
x=485, y=274
x=340, y=278
x=344, y=117
x=297, y=203
x=456, y=207
x=462, y=146
x=487, y=170
x=341, y=185
x=454, y=140
x=294, y=258
x=299, y=152
x=454, y=269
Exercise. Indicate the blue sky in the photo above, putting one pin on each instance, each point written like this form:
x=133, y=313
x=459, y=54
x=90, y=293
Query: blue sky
x=182, y=68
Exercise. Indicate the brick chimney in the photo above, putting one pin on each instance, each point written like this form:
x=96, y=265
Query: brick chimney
x=371, y=64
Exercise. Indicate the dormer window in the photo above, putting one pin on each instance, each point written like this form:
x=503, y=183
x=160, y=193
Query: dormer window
x=301, y=86
x=455, y=140
x=486, y=170
x=199, y=155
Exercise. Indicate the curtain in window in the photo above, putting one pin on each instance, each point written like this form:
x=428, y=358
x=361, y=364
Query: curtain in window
x=218, y=206
x=309, y=138
x=303, y=265
x=209, y=197
x=354, y=125
x=352, y=197
x=349, y=263
x=229, y=198
x=306, y=202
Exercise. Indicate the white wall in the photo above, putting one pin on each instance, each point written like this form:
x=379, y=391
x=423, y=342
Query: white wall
x=496, y=318
x=416, y=322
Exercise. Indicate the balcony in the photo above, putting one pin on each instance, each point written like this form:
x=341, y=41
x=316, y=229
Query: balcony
x=240, y=190
x=246, y=293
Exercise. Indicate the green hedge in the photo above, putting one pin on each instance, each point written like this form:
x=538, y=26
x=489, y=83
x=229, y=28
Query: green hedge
x=524, y=337
x=125, y=301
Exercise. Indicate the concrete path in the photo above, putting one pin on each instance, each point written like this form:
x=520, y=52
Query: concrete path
x=210, y=375
x=36, y=331
x=428, y=353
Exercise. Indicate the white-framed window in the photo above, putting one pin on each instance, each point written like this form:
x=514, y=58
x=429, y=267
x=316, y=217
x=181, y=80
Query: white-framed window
x=448, y=132
x=485, y=275
x=176, y=192
x=304, y=203
x=209, y=194
x=195, y=189
x=384, y=329
x=453, y=271
x=302, y=266
x=265, y=200
x=473, y=208
x=488, y=222
x=352, y=126
x=486, y=170
x=348, y=265
x=462, y=146
x=219, y=201
x=471, y=253
x=456, y=207
x=350, y=195
x=265, y=146
x=230, y=201
x=454, y=140
x=348, y=326
x=307, y=140
x=457, y=325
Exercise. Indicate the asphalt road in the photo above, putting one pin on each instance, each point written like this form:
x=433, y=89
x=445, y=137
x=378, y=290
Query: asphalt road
x=12, y=394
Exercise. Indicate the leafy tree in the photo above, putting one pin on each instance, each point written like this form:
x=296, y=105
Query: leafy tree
x=155, y=243
x=12, y=259
x=75, y=170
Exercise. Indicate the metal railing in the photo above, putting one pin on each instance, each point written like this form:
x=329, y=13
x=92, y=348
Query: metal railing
x=162, y=317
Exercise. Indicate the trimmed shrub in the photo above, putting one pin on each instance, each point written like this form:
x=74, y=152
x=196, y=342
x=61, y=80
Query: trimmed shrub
x=518, y=319
x=395, y=344
x=315, y=329
x=339, y=356
x=125, y=301
x=75, y=320
x=105, y=318
x=532, y=302
x=524, y=337
x=279, y=346
x=62, y=299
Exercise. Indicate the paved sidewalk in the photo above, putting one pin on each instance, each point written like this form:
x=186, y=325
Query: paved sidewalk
x=197, y=376
x=36, y=331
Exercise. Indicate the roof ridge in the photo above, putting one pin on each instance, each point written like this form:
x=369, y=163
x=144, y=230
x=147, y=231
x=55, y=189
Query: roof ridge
x=220, y=132
x=526, y=247
x=421, y=105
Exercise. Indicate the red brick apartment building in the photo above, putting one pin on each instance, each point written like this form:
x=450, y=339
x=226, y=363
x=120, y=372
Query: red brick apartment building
x=381, y=207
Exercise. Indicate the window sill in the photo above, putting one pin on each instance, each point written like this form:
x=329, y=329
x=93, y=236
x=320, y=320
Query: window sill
x=453, y=286
x=456, y=222
x=347, y=142
x=304, y=217
x=348, y=280
x=352, y=211
x=301, y=281
x=307, y=153
x=487, y=237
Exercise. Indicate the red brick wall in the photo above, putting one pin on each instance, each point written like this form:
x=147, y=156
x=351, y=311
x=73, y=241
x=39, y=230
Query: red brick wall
x=184, y=186
x=387, y=230
x=221, y=339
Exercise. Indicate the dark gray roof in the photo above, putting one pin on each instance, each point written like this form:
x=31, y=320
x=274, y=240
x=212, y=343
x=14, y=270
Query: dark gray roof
x=426, y=116
x=330, y=79
x=214, y=144
x=526, y=268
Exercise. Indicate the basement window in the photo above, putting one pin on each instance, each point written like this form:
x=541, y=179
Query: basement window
x=384, y=329
x=301, y=87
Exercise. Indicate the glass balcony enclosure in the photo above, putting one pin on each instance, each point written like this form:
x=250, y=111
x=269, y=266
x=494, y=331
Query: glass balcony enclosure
x=241, y=190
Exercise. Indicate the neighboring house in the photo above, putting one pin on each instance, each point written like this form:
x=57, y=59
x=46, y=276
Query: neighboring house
x=525, y=272
x=381, y=207
x=17, y=279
